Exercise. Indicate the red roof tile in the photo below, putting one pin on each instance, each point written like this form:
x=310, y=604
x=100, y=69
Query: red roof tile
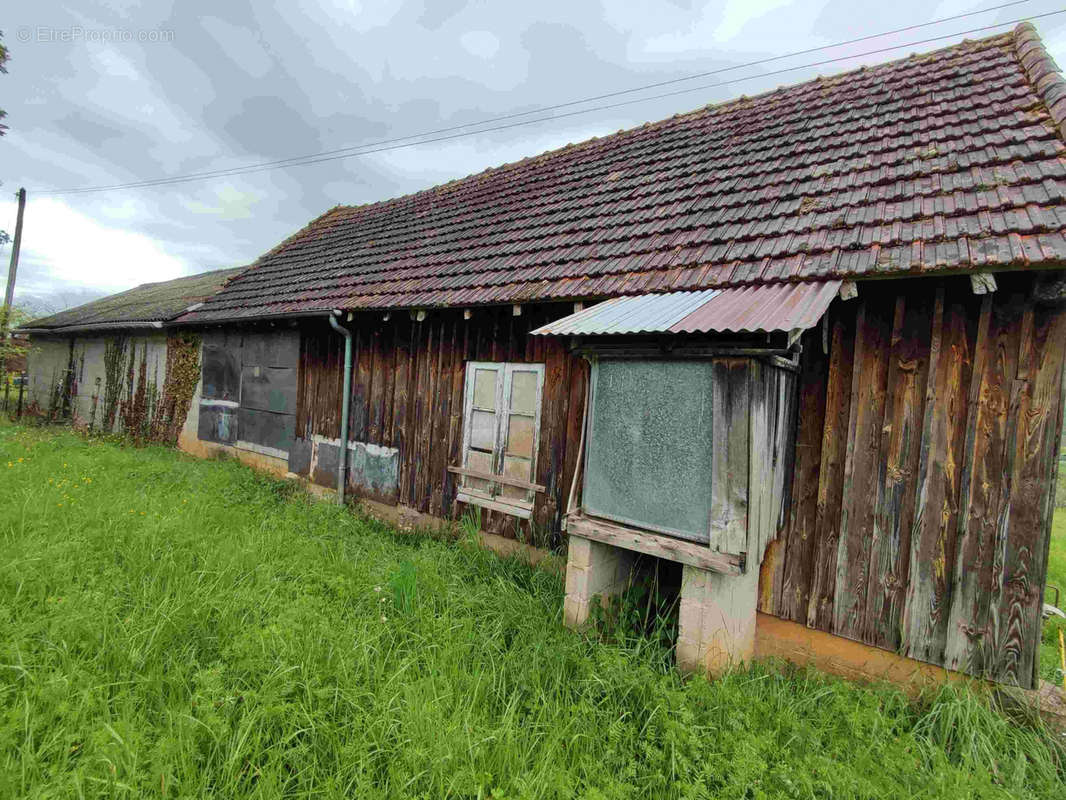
x=949, y=161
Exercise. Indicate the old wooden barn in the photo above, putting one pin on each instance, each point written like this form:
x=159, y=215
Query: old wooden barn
x=809, y=345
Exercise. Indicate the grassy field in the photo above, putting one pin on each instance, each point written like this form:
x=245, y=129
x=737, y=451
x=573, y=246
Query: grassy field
x=180, y=628
x=1050, y=660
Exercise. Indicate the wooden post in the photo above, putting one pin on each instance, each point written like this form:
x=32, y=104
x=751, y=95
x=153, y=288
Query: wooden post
x=12, y=270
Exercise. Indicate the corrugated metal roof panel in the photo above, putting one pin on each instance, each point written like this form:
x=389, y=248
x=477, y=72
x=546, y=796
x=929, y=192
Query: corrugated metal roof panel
x=776, y=307
x=648, y=313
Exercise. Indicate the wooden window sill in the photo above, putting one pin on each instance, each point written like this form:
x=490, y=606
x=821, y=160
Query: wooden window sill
x=653, y=544
x=515, y=508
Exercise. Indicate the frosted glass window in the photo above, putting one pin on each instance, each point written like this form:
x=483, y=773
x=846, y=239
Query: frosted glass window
x=483, y=425
x=649, y=445
x=520, y=436
x=485, y=388
x=524, y=386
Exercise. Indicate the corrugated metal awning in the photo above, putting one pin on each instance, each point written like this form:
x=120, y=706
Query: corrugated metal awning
x=775, y=307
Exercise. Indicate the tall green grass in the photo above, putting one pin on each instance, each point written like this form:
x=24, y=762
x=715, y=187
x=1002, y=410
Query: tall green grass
x=1050, y=659
x=180, y=628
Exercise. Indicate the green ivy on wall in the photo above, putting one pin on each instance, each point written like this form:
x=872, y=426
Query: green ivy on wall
x=179, y=385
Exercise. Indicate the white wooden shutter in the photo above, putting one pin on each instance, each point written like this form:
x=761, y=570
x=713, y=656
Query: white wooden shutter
x=502, y=428
x=481, y=429
x=520, y=427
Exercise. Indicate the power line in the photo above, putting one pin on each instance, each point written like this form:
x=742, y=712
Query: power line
x=387, y=144
x=607, y=95
x=403, y=142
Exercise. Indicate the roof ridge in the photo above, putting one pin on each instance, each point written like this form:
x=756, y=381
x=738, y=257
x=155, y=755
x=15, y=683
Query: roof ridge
x=947, y=161
x=1043, y=73
x=136, y=297
x=719, y=107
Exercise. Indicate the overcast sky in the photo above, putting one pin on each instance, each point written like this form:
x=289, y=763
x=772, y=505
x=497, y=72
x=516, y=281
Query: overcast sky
x=222, y=84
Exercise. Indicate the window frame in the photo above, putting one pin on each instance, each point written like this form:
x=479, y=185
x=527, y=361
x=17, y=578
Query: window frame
x=492, y=496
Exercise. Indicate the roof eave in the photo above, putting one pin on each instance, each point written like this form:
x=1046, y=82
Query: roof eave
x=99, y=326
x=179, y=321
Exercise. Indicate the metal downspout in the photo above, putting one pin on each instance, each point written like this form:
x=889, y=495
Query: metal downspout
x=346, y=400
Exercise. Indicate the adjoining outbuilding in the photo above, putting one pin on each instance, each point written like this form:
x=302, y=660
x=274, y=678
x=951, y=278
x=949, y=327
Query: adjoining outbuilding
x=808, y=344
x=106, y=364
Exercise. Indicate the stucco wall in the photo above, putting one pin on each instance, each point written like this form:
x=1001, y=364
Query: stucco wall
x=50, y=358
x=46, y=363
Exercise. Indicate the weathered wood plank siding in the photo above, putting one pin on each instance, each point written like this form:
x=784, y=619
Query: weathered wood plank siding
x=918, y=514
x=407, y=393
x=920, y=502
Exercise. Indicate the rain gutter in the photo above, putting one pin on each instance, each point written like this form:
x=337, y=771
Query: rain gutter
x=346, y=399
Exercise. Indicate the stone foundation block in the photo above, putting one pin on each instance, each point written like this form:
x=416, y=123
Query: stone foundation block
x=716, y=625
x=593, y=569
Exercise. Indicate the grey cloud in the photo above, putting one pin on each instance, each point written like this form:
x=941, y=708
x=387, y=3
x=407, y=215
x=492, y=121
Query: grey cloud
x=437, y=12
x=91, y=132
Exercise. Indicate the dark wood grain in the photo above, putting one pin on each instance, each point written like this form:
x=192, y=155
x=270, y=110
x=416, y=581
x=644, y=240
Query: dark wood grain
x=831, y=472
x=863, y=470
x=792, y=599
x=917, y=516
x=933, y=535
x=1037, y=399
x=410, y=376
x=984, y=487
x=890, y=551
x=730, y=407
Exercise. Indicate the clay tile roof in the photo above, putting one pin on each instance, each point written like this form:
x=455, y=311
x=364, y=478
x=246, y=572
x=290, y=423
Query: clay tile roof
x=948, y=161
x=138, y=307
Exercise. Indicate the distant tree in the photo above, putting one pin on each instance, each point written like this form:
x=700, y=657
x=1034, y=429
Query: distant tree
x=13, y=348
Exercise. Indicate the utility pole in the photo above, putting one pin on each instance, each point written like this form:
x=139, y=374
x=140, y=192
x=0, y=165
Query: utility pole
x=13, y=267
x=12, y=271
